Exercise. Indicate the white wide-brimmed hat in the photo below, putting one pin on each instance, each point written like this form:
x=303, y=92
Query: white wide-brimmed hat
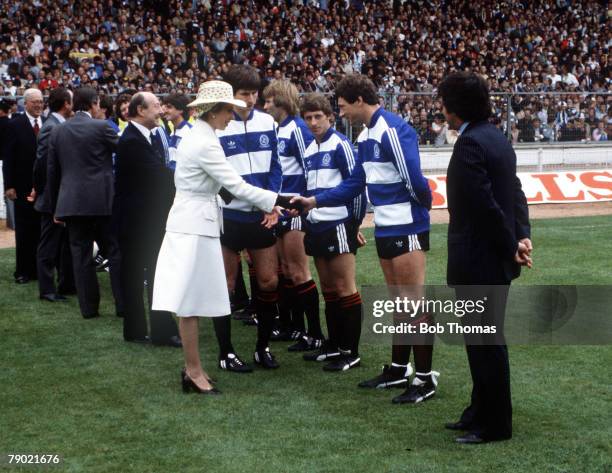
x=213, y=92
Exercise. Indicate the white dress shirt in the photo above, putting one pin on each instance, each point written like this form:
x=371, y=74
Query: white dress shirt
x=143, y=129
x=60, y=118
x=33, y=120
x=462, y=128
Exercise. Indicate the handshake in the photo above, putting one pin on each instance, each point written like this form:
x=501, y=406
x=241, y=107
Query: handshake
x=296, y=203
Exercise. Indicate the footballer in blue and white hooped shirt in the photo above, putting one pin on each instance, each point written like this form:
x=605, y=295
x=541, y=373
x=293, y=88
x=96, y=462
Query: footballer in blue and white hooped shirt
x=332, y=236
x=298, y=291
x=388, y=163
x=176, y=112
x=250, y=145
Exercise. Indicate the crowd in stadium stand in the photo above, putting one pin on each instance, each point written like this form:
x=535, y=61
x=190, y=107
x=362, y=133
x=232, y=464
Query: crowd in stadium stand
x=173, y=46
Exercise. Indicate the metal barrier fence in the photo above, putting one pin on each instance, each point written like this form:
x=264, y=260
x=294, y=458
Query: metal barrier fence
x=524, y=117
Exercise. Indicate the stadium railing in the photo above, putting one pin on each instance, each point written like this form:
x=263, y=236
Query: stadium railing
x=531, y=118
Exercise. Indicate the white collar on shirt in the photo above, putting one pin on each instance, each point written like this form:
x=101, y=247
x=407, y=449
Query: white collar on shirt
x=60, y=118
x=142, y=129
x=32, y=120
x=462, y=128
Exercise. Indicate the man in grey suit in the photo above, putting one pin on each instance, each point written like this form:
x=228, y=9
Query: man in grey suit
x=81, y=191
x=53, y=247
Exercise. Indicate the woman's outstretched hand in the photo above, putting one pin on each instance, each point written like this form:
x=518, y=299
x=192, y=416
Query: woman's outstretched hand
x=289, y=202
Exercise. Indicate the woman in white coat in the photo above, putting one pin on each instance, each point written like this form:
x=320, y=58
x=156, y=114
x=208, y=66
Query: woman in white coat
x=190, y=276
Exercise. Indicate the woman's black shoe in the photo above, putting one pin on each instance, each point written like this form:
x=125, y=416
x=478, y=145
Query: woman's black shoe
x=189, y=385
x=209, y=379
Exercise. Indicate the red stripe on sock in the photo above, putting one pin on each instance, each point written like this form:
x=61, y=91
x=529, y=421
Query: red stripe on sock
x=331, y=297
x=304, y=288
x=350, y=301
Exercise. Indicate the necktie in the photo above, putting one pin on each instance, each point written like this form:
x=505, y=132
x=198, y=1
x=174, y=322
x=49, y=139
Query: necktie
x=36, y=127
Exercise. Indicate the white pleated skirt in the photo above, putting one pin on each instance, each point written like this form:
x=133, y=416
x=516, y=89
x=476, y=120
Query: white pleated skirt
x=190, y=277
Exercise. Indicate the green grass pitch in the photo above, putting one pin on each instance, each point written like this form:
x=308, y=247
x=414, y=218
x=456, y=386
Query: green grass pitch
x=71, y=386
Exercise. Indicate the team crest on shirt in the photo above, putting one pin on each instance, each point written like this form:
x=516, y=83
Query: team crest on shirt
x=231, y=144
x=264, y=141
x=281, y=145
x=326, y=159
x=376, y=151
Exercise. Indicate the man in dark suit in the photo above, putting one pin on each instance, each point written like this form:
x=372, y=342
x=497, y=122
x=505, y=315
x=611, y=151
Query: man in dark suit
x=81, y=191
x=145, y=191
x=19, y=154
x=488, y=241
x=53, y=247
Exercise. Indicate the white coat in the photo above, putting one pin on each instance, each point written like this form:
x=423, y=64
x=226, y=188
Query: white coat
x=190, y=275
x=201, y=170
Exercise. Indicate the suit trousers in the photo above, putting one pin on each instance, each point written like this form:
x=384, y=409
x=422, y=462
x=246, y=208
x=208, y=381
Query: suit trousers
x=54, y=252
x=139, y=252
x=82, y=232
x=490, y=409
x=27, y=234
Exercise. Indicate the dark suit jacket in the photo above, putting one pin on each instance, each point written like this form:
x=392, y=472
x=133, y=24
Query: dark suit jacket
x=80, y=167
x=144, y=186
x=4, y=123
x=18, y=155
x=40, y=165
x=487, y=207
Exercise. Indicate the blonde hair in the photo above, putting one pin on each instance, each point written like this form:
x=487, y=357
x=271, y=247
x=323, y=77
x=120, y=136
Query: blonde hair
x=284, y=95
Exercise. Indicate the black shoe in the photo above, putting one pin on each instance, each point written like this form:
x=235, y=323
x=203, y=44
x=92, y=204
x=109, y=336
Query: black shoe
x=22, y=280
x=101, y=264
x=232, y=363
x=343, y=363
x=91, y=316
x=265, y=359
x=306, y=343
x=188, y=385
x=209, y=379
x=250, y=321
x=391, y=377
x=296, y=335
x=325, y=353
x=53, y=298
x=471, y=438
x=143, y=340
x=173, y=341
x=281, y=336
x=418, y=391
